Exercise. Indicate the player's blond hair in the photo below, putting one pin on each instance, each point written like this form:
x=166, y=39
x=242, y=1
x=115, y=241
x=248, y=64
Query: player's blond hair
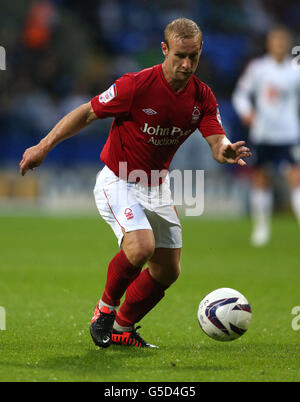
x=280, y=28
x=182, y=28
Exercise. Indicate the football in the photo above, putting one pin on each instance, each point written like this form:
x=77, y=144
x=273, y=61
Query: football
x=224, y=314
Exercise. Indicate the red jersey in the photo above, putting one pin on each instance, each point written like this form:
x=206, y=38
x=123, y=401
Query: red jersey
x=151, y=120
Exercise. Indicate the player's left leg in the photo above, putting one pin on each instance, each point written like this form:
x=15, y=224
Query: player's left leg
x=164, y=266
x=293, y=178
x=261, y=204
x=162, y=270
x=261, y=194
x=144, y=293
x=120, y=209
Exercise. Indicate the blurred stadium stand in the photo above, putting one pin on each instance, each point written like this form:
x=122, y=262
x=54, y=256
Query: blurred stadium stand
x=61, y=53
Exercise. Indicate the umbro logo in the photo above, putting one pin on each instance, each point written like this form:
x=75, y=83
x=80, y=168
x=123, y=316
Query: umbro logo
x=149, y=111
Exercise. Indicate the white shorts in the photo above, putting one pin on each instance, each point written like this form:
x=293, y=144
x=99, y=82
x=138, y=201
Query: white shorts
x=129, y=206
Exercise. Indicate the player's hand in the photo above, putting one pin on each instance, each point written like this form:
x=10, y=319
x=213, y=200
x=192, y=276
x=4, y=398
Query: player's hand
x=248, y=119
x=234, y=153
x=32, y=158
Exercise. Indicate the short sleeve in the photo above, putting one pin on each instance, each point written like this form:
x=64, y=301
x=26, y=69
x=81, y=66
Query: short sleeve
x=116, y=100
x=210, y=123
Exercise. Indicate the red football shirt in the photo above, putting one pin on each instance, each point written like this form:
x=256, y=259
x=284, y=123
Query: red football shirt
x=151, y=120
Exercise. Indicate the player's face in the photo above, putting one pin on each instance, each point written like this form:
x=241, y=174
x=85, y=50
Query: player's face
x=278, y=43
x=181, y=57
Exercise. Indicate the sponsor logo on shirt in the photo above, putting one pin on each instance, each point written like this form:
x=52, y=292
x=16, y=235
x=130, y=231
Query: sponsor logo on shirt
x=164, y=135
x=108, y=95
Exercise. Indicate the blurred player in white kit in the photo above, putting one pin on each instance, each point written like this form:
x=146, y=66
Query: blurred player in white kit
x=266, y=99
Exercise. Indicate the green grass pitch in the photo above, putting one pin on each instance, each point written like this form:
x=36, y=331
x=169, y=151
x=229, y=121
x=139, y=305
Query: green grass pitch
x=53, y=272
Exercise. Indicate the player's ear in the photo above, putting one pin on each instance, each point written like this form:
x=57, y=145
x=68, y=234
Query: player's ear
x=201, y=47
x=164, y=48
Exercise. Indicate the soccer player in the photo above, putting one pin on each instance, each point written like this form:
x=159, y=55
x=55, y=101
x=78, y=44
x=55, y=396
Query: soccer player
x=155, y=111
x=267, y=100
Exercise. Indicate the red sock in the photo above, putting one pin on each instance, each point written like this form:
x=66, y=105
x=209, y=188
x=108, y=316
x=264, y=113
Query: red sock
x=120, y=274
x=141, y=296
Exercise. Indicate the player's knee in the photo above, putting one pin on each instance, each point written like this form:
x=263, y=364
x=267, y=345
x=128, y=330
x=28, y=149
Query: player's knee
x=140, y=254
x=260, y=179
x=139, y=247
x=293, y=176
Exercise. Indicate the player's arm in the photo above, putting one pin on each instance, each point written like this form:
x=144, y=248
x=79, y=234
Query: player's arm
x=224, y=151
x=242, y=95
x=68, y=126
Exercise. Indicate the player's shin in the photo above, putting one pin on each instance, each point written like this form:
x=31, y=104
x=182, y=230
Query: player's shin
x=120, y=274
x=141, y=296
x=261, y=204
x=295, y=201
